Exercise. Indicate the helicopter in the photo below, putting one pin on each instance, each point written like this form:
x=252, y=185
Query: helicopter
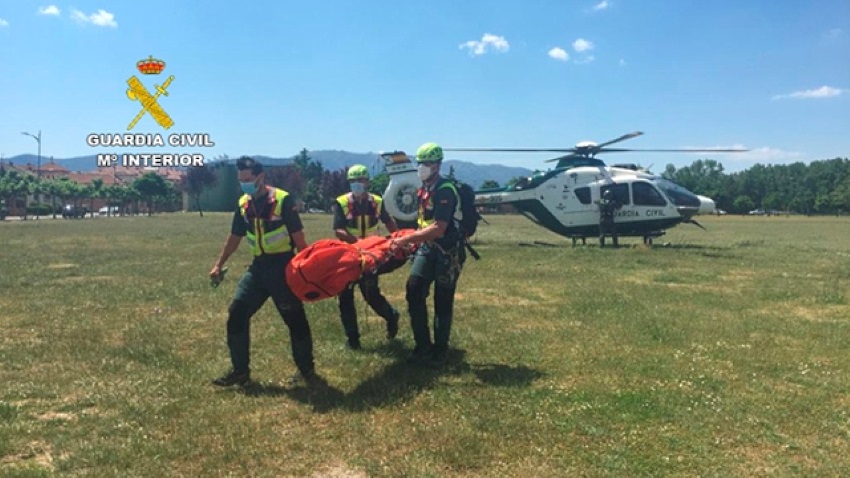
x=565, y=199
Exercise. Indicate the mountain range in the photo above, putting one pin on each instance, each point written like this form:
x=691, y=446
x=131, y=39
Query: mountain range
x=331, y=160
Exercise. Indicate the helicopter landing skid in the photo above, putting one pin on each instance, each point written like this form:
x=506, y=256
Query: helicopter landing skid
x=647, y=238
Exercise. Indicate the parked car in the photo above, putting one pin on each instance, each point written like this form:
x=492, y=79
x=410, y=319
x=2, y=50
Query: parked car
x=757, y=212
x=111, y=210
x=71, y=211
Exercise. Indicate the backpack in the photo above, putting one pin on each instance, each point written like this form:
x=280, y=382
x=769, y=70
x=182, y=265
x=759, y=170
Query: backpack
x=469, y=217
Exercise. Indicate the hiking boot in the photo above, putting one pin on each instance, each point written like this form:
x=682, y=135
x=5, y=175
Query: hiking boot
x=420, y=356
x=439, y=356
x=233, y=378
x=392, y=325
x=303, y=379
x=353, y=343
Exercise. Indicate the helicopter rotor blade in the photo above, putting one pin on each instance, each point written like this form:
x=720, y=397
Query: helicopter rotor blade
x=694, y=150
x=621, y=138
x=515, y=150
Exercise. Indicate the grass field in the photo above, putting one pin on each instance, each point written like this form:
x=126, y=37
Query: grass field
x=724, y=353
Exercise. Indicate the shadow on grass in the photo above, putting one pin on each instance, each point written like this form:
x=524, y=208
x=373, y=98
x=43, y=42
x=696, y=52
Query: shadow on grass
x=319, y=393
x=689, y=247
x=398, y=382
x=501, y=375
x=704, y=250
x=698, y=249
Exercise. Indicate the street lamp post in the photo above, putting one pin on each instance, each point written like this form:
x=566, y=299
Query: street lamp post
x=38, y=171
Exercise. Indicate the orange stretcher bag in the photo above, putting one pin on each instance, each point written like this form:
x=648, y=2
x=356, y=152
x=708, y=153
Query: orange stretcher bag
x=326, y=267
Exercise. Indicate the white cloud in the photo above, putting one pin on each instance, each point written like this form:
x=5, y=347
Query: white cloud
x=559, y=53
x=102, y=18
x=3, y=23
x=49, y=10
x=585, y=59
x=822, y=92
x=488, y=42
x=601, y=5
x=768, y=154
x=581, y=45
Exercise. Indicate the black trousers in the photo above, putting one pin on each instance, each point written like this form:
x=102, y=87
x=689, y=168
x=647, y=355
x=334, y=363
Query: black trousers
x=607, y=226
x=265, y=278
x=371, y=291
x=432, y=266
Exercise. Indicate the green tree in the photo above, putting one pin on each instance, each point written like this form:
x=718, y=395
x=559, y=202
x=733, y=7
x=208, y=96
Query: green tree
x=742, y=204
x=311, y=174
x=54, y=189
x=772, y=201
x=379, y=183
x=95, y=191
x=26, y=186
x=287, y=178
x=11, y=186
x=151, y=186
x=490, y=184
x=195, y=181
x=333, y=184
x=112, y=194
x=841, y=196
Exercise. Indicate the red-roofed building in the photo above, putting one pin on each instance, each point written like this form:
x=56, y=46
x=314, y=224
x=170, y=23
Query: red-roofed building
x=52, y=170
x=117, y=175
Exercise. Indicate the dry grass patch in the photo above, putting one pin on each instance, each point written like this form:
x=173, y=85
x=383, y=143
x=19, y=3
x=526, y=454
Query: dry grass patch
x=37, y=453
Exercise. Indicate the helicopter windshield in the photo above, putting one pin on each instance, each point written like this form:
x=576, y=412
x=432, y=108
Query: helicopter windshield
x=677, y=194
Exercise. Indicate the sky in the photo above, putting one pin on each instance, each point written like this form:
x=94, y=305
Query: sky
x=273, y=77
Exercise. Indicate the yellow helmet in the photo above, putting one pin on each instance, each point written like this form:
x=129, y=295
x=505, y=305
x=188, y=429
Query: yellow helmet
x=429, y=153
x=358, y=171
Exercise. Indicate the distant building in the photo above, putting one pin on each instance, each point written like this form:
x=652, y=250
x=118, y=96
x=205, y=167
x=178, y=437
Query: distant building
x=110, y=176
x=52, y=170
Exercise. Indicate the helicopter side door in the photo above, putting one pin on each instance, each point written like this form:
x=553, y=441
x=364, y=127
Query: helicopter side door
x=576, y=207
x=649, y=204
x=620, y=191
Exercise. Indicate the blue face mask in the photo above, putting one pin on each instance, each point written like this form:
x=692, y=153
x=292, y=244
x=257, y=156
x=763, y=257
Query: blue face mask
x=358, y=188
x=249, y=188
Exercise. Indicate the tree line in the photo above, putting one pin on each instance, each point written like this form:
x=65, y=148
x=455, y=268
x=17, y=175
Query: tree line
x=304, y=178
x=315, y=187
x=821, y=187
x=149, y=189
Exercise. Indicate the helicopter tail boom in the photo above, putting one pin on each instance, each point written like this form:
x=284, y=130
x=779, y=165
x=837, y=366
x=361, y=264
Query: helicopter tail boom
x=492, y=198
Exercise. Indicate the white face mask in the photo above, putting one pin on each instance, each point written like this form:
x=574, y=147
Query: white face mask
x=358, y=188
x=424, y=172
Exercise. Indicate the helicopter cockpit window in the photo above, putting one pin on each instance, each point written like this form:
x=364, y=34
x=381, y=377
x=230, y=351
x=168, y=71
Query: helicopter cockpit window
x=620, y=191
x=679, y=195
x=645, y=194
x=583, y=195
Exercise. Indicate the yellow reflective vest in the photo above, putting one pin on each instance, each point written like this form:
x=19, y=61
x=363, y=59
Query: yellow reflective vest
x=266, y=235
x=426, y=203
x=361, y=225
